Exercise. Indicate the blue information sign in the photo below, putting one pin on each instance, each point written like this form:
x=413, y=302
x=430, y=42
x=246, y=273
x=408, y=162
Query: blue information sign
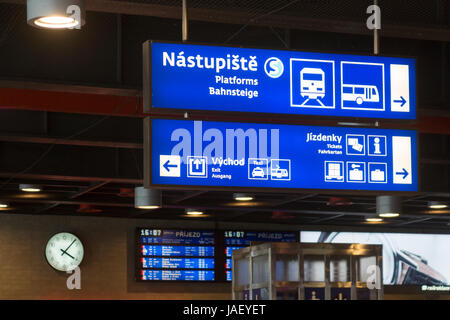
x=214, y=78
x=242, y=155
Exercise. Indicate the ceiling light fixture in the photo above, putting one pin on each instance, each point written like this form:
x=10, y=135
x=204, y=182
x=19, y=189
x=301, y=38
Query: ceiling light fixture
x=388, y=206
x=243, y=197
x=147, y=199
x=4, y=205
x=56, y=14
x=25, y=187
x=372, y=219
x=194, y=212
x=436, y=205
x=389, y=215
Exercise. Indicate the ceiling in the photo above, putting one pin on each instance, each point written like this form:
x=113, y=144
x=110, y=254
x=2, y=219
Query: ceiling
x=86, y=156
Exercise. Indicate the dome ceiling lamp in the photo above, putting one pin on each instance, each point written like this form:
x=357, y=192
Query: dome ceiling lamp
x=56, y=14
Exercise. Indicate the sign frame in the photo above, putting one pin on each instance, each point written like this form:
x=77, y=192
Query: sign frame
x=148, y=109
x=148, y=165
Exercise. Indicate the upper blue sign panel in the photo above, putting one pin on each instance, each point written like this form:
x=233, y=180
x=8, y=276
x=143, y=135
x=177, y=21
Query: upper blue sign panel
x=244, y=155
x=213, y=78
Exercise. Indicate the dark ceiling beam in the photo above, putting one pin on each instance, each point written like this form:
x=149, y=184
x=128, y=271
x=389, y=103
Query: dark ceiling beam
x=72, y=142
x=295, y=211
x=414, y=221
x=327, y=215
x=334, y=214
x=69, y=88
x=91, y=188
x=274, y=20
x=294, y=199
x=424, y=111
x=83, y=191
x=131, y=106
x=69, y=163
x=327, y=218
x=71, y=102
x=46, y=208
x=435, y=161
x=435, y=33
x=277, y=204
x=36, y=176
x=189, y=195
x=415, y=198
x=75, y=202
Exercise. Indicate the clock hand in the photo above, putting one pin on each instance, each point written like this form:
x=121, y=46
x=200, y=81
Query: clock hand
x=65, y=251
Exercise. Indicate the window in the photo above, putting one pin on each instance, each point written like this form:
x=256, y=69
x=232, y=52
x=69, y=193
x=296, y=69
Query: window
x=347, y=89
x=312, y=76
x=334, y=169
x=359, y=90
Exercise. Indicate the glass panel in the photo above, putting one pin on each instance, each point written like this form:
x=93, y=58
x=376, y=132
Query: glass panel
x=260, y=269
x=242, y=272
x=339, y=269
x=314, y=268
x=363, y=263
x=287, y=294
x=287, y=268
x=260, y=294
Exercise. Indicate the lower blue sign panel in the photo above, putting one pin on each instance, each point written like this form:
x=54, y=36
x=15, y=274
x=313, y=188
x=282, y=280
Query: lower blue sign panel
x=243, y=155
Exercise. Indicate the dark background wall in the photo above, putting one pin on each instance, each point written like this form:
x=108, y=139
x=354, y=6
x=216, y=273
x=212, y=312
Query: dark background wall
x=107, y=270
x=107, y=51
x=108, y=267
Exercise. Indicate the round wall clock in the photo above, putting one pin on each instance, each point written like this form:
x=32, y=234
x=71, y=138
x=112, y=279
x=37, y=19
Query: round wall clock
x=64, y=251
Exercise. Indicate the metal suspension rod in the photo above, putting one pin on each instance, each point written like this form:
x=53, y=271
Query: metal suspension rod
x=376, y=36
x=184, y=21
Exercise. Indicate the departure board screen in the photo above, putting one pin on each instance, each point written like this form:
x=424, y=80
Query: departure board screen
x=176, y=255
x=183, y=275
x=241, y=239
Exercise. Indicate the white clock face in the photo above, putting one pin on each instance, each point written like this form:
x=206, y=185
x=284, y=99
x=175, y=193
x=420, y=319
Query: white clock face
x=64, y=251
